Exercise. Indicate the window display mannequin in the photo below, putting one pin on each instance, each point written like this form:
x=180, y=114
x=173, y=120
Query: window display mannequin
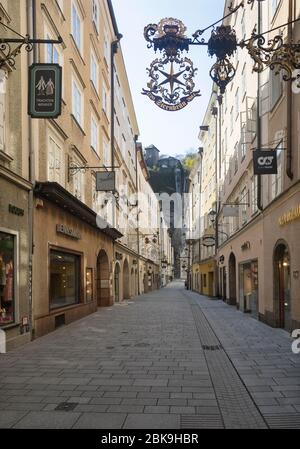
x=8, y=289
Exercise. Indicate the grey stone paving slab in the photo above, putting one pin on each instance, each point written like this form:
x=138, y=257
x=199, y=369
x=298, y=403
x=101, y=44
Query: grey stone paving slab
x=157, y=409
x=152, y=421
x=100, y=421
x=9, y=418
x=47, y=420
x=81, y=362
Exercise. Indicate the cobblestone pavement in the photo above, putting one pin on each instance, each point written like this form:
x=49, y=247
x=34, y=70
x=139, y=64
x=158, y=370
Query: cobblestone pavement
x=170, y=359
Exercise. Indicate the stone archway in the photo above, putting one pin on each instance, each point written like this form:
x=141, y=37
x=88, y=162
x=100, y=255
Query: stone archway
x=232, y=280
x=282, y=286
x=126, y=280
x=117, y=283
x=103, y=287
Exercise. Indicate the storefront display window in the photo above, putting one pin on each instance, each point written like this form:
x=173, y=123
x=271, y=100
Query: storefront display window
x=89, y=284
x=249, y=288
x=64, y=279
x=7, y=248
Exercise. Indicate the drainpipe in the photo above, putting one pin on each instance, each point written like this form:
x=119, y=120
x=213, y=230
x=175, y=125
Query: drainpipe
x=32, y=58
x=258, y=120
x=113, y=50
x=289, y=170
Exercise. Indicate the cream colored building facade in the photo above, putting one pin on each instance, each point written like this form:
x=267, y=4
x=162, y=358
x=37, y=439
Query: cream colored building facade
x=258, y=254
x=15, y=187
x=79, y=264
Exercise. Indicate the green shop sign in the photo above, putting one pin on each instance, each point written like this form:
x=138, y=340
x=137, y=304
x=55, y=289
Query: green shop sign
x=44, y=93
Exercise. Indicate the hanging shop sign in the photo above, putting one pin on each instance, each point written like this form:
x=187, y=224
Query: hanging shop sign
x=208, y=240
x=106, y=181
x=265, y=162
x=231, y=211
x=45, y=91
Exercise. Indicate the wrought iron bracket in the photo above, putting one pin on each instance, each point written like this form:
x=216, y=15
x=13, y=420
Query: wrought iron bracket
x=73, y=169
x=8, y=54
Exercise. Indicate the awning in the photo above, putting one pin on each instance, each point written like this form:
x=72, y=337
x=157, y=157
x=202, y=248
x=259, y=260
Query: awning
x=59, y=196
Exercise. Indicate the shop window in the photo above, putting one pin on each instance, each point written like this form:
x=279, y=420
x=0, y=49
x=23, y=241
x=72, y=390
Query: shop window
x=89, y=285
x=64, y=279
x=7, y=303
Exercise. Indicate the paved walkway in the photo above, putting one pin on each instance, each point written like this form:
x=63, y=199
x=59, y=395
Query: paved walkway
x=169, y=359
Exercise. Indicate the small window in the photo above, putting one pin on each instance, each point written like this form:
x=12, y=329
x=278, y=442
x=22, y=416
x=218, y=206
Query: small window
x=276, y=88
x=105, y=100
x=96, y=14
x=77, y=98
x=94, y=71
x=56, y=167
x=76, y=27
x=94, y=135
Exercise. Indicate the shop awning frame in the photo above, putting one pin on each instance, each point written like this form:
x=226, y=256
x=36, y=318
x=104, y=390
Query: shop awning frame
x=59, y=196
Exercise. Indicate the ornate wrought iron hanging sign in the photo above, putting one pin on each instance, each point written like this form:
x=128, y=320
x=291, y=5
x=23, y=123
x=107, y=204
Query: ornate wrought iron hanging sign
x=171, y=84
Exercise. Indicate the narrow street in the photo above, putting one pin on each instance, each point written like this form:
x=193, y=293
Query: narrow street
x=170, y=359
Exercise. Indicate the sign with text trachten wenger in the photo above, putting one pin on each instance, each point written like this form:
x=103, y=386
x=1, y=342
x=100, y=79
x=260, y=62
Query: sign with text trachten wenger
x=45, y=91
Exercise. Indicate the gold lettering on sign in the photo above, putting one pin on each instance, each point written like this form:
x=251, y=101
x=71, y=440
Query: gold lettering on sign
x=289, y=217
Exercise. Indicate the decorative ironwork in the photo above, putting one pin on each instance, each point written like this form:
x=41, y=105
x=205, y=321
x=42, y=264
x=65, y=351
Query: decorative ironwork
x=223, y=42
x=8, y=54
x=171, y=90
x=275, y=54
x=222, y=73
x=168, y=36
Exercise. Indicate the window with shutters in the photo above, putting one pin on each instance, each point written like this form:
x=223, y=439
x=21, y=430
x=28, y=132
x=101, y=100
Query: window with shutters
x=94, y=71
x=56, y=169
x=94, y=135
x=78, y=184
x=106, y=153
x=96, y=14
x=77, y=102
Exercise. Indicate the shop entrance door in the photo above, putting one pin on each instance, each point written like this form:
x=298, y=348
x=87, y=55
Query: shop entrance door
x=210, y=284
x=117, y=283
x=232, y=280
x=103, y=282
x=282, y=278
x=249, y=288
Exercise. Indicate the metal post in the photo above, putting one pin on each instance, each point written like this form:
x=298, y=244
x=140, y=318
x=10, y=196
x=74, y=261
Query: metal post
x=258, y=119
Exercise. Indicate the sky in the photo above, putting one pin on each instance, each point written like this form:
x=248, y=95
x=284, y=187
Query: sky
x=172, y=133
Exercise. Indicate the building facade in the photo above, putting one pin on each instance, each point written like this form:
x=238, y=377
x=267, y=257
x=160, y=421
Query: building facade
x=256, y=218
x=66, y=247
x=15, y=186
